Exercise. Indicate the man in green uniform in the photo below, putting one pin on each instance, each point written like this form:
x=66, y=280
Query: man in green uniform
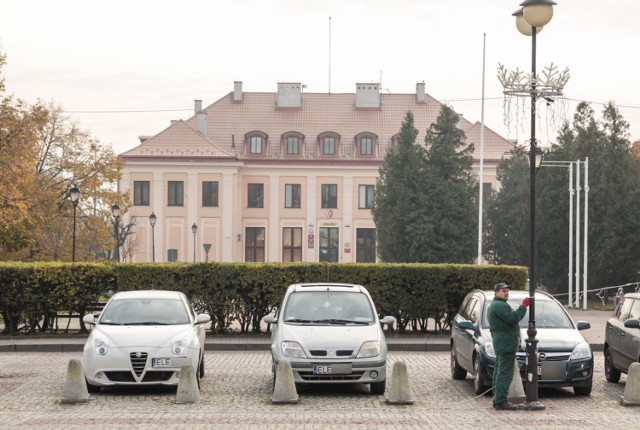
x=505, y=332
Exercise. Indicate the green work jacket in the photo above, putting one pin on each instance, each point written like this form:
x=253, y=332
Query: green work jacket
x=503, y=320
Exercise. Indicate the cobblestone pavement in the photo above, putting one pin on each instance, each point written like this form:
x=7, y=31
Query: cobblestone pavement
x=236, y=394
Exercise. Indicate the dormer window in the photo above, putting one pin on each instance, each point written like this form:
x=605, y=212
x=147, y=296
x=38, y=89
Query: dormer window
x=256, y=143
x=329, y=143
x=366, y=144
x=292, y=143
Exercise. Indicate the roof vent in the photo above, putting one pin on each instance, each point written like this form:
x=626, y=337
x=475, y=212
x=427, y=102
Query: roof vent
x=368, y=96
x=289, y=94
x=237, y=91
x=420, y=96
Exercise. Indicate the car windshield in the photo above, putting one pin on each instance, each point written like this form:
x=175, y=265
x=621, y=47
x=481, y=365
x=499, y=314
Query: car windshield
x=145, y=312
x=549, y=314
x=328, y=307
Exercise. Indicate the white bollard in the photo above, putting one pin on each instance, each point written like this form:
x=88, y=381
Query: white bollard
x=631, y=395
x=188, y=391
x=75, y=386
x=284, y=390
x=400, y=392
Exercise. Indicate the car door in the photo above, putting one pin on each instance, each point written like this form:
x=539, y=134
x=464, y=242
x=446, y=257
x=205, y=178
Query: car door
x=630, y=339
x=467, y=339
x=615, y=330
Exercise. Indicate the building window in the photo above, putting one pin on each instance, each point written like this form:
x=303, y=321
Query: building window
x=255, y=193
x=329, y=196
x=365, y=245
x=172, y=255
x=329, y=245
x=329, y=146
x=291, y=244
x=366, y=146
x=255, y=145
x=210, y=193
x=141, y=193
x=254, y=244
x=176, y=193
x=365, y=196
x=292, y=195
x=293, y=145
x=486, y=191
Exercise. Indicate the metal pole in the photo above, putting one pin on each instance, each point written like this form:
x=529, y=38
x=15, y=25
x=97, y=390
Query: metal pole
x=73, y=241
x=480, y=197
x=571, y=192
x=153, y=243
x=194, y=246
x=586, y=224
x=116, y=233
x=578, y=189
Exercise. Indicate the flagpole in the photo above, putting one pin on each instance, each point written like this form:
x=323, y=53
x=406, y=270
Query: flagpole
x=481, y=178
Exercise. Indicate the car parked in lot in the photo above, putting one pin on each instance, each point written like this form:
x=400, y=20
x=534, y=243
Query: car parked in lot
x=330, y=333
x=144, y=338
x=565, y=357
x=622, y=338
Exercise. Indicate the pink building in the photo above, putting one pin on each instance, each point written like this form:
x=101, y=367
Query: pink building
x=284, y=176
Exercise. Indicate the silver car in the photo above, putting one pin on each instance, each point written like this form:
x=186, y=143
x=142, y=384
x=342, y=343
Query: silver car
x=330, y=333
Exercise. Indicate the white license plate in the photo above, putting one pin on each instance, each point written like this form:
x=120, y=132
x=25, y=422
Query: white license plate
x=321, y=370
x=161, y=362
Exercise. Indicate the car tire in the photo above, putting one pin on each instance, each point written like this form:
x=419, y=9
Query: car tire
x=198, y=376
x=478, y=381
x=610, y=372
x=92, y=388
x=202, y=367
x=273, y=379
x=378, y=388
x=457, y=372
x=583, y=391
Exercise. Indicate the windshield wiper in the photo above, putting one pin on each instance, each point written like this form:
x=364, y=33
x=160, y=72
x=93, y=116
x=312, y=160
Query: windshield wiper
x=333, y=321
x=146, y=323
x=110, y=323
x=298, y=320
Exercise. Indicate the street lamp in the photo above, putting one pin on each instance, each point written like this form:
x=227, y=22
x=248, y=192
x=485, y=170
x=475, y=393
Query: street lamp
x=74, y=194
x=115, y=210
x=152, y=221
x=530, y=19
x=194, y=229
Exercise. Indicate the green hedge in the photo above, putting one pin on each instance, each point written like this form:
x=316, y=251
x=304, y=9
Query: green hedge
x=31, y=294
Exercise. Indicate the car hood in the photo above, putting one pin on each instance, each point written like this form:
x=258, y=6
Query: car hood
x=141, y=336
x=556, y=339
x=331, y=336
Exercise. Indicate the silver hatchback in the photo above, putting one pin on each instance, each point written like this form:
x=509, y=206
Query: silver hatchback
x=330, y=333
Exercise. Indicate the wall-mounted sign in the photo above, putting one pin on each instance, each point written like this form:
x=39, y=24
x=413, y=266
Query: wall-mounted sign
x=310, y=240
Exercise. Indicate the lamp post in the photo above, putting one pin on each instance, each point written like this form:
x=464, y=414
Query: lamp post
x=152, y=221
x=530, y=19
x=74, y=195
x=194, y=229
x=115, y=210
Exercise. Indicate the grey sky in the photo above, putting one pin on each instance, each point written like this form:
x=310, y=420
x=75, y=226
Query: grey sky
x=126, y=55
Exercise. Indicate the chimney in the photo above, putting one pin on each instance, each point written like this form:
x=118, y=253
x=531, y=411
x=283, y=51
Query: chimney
x=420, y=92
x=143, y=139
x=367, y=96
x=202, y=122
x=237, y=92
x=289, y=95
x=460, y=123
x=197, y=106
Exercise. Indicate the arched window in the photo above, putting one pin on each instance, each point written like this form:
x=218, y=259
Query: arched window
x=329, y=144
x=256, y=143
x=366, y=144
x=292, y=143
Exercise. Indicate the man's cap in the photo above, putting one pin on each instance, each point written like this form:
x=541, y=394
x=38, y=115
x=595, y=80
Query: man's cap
x=499, y=286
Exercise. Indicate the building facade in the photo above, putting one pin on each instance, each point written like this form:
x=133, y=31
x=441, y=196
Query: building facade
x=284, y=176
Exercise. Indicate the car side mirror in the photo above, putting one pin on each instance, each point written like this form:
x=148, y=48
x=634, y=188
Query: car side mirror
x=466, y=325
x=583, y=325
x=203, y=319
x=89, y=319
x=270, y=319
x=388, y=320
x=632, y=323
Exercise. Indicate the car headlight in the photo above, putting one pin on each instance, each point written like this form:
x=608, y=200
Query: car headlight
x=101, y=346
x=370, y=348
x=488, y=348
x=293, y=349
x=583, y=350
x=179, y=346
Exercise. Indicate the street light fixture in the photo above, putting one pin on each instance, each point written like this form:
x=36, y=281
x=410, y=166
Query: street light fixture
x=74, y=195
x=534, y=14
x=115, y=210
x=152, y=221
x=194, y=229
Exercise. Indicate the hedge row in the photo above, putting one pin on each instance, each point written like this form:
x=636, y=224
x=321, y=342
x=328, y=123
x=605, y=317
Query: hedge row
x=32, y=294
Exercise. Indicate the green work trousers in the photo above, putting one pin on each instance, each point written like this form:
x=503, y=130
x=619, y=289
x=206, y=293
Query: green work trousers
x=502, y=377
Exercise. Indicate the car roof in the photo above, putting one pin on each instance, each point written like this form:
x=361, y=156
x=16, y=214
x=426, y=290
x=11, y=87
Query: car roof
x=323, y=286
x=540, y=295
x=147, y=294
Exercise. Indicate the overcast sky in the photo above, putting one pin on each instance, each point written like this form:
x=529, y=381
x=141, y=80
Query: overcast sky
x=157, y=56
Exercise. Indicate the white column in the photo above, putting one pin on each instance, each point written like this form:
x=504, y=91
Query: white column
x=228, y=203
x=157, y=191
x=347, y=220
x=273, y=226
x=311, y=254
x=577, y=304
x=192, y=215
x=586, y=225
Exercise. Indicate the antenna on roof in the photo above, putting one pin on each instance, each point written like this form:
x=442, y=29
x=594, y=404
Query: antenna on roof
x=329, y=55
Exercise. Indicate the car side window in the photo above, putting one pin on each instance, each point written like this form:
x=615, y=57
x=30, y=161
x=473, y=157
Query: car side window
x=474, y=313
x=469, y=309
x=463, y=305
x=624, y=309
x=635, y=310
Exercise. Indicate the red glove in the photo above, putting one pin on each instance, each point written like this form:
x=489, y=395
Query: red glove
x=526, y=302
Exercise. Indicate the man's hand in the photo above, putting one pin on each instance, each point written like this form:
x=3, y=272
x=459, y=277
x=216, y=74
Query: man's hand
x=526, y=302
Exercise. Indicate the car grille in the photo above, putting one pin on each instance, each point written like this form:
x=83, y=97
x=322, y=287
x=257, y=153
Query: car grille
x=547, y=356
x=309, y=376
x=138, y=361
x=120, y=376
x=324, y=353
x=159, y=376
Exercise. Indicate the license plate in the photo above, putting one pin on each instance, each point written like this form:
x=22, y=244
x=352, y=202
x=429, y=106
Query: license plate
x=332, y=369
x=160, y=362
x=321, y=370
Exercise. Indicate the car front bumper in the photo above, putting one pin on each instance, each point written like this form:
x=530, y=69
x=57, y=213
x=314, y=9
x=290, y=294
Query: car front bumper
x=338, y=372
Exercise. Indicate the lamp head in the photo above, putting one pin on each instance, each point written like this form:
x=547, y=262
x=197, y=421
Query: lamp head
x=522, y=25
x=152, y=219
x=115, y=210
x=194, y=228
x=538, y=13
x=74, y=194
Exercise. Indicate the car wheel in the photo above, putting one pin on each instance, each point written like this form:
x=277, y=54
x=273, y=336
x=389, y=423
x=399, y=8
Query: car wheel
x=583, y=391
x=202, y=367
x=478, y=381
x=273, y=378
x=378, y=388
x=610, y=372
x=198, y=372
x=92, y=388
x=457, y=372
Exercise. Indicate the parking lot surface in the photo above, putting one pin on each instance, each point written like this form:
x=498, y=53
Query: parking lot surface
x=236, y=394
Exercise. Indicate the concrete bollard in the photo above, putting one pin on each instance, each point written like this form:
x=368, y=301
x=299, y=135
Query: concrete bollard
x=284, y=390
x=75, y=386
x=516, y=390
x=400, y=392
x=631, y=395
x=188, y=391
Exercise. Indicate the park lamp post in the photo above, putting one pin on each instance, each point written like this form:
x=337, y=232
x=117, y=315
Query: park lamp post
x=115, y=210
x=530, y=19
x=74, y=195
x=194, y=229
x=152, y=220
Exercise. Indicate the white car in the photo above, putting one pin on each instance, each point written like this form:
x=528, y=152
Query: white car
x=144, y=338
x=330, y=333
